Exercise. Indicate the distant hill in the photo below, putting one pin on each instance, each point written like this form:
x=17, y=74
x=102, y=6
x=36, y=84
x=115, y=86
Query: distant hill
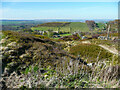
x=7, y=22
x=65, y=26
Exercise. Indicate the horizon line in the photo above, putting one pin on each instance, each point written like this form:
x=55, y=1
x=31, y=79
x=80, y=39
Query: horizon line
x=57, y=19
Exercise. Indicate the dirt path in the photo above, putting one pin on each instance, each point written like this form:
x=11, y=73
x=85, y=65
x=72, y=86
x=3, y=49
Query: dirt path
x=112, y=50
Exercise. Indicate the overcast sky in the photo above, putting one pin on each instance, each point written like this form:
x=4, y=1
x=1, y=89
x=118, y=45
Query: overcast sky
x=59, y=10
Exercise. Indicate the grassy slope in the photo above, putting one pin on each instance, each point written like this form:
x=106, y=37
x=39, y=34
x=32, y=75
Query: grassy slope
x=44, y=28
x=91, y=51
x=74, y=26
x=79, y=26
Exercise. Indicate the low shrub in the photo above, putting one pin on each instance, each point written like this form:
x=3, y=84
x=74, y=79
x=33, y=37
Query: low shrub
x=90, y=51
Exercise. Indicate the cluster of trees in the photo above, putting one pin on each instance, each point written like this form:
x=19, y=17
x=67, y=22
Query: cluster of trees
x=91, y=24
x=114, y=25
x=16, y=27
x=54, y=24
x=114, y=22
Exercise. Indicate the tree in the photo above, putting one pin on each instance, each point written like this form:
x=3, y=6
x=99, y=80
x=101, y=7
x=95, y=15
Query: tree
x=50, y=33
x=91, y=24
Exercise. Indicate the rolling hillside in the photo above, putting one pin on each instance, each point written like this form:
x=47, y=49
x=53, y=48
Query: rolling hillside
x=79, y=26
x=66, y=27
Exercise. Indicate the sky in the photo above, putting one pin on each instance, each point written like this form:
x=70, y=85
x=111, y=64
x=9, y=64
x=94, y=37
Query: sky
x=59, y=10
x=60, y=0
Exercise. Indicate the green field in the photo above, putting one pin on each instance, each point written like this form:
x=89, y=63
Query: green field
x=73, y=26
x=63, y=29
x=65, y=34
x=79, y=26
x=44, y=28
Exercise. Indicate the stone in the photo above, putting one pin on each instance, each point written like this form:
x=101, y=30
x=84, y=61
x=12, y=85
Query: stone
x=86, y=42
x=10, y=52
x=12, y=44
x=114, y=38
x=90, y=64
x=2, y=83
x=51, y=81
x=6, y=71
x=12, y=57
x=12, y=64
x=83, y=37
x=24, y=56
x=3, y=41
x=7, y=37
x=13, y=74
x=5, y=48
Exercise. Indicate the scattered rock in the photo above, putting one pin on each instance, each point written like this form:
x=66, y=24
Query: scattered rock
x=11, y=52
x=2, y=83
x=90, y=64
x=12, y=44
x=14, y=74
x=6, y=72
x=5, y=48
x=24, y=56
x=7, y=37
x=3, y=41
x=84, y=37
x=12, y=64
x=51, y=81
x=86, y=42
x=12, y=57
x=114, y=38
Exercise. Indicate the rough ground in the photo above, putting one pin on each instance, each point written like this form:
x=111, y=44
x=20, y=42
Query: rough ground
x=110, y=49
x=26, y=59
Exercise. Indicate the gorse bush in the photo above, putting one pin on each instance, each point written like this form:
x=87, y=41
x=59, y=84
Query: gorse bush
x=41, y=36
x=22, y=37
